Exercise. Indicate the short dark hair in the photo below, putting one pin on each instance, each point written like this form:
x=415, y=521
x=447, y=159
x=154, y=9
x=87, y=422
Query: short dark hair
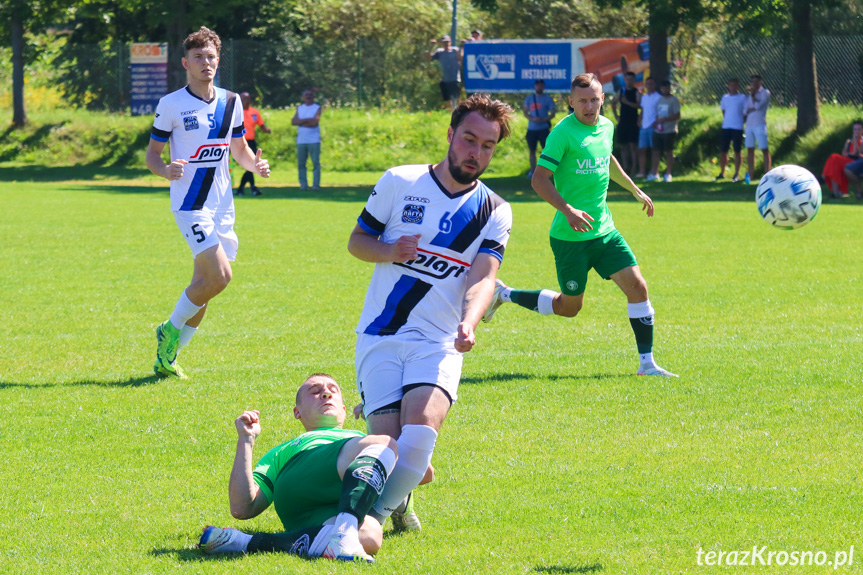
x=650, y=78
x=539, y=81
x=735, y=80
x=200, y=39
x=318, y=374
x=490, y=109
x=857, y=123
x=753, y=76
x=665, y=83
x=584, y=81
x=630, y=74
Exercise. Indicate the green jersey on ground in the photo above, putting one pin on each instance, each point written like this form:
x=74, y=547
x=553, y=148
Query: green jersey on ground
x=580, y=158
x=301, y=479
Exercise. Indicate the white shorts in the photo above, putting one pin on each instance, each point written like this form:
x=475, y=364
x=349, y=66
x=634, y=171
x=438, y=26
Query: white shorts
x=203, y=230
x=756, y=134
x=388, y=363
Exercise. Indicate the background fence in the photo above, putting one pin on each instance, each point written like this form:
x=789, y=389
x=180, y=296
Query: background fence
x=371, y=72
x=839, y=65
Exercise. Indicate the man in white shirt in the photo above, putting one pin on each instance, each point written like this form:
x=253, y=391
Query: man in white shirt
x=733, y=105
x=203, y=124
x=307, y=119
x=756, y=124
x=437, y=236
x=648, y=103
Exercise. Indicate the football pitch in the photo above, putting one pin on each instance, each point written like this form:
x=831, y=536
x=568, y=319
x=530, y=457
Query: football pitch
x=555, y=459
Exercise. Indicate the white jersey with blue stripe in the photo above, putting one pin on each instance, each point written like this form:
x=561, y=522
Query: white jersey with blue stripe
x=426, y=294
x=200, y=132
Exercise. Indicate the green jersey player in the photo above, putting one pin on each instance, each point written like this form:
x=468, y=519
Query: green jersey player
x=583, y=236
x=322, y=484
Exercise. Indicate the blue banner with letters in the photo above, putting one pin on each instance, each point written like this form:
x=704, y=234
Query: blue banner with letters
x=511, y=66
x=500, y=66
x=149, y=76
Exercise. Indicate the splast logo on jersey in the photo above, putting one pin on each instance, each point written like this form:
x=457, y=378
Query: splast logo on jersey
x=435, y=265
x=209, y=153
x=593, y=165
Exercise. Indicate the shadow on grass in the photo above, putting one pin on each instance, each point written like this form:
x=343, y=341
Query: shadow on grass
x=34, y=140
x=569, y=568
x=129, y=382
x=84, y=172
x=528, y=376
x=184, y=554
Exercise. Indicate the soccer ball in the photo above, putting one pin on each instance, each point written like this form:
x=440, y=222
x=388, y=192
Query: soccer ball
x=788, y=197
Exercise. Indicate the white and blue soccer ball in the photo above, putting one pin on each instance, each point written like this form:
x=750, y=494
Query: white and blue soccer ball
x=788, y=197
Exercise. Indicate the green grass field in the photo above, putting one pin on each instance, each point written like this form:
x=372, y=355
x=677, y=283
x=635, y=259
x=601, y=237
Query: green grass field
x=556, y=459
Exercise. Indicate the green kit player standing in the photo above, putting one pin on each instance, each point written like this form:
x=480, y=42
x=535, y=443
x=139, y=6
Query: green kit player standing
x=322, y=484
x=583, y=236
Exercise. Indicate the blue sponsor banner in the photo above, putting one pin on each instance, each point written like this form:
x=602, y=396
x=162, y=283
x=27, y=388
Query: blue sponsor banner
x=149, y=76
x=514, y=65
x=501, y=66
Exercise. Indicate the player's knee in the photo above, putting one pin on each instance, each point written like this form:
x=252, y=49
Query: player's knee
x=567, y=307
x=220, y=280
x=384, y=440
x=371, y=535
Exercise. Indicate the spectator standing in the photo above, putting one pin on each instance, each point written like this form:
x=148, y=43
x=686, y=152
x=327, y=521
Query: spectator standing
x=756, y=124
x=251, y=119
x=307, y=119
x=645, y=133
x=665, y=131
x=834, y=170
x=475, y=36
x=539, y=109
x=449, y=58
x=733, y=105
x=627, y=122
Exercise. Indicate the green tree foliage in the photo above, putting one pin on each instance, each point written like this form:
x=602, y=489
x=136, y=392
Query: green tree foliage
x=394, y=37
x=563, y=19
x=796, y=21
x=16, y=18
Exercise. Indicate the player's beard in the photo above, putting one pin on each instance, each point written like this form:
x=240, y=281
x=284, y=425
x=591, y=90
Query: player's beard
x=457, y=173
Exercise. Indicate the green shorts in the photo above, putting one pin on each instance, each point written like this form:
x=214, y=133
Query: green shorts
x=308, y=488
x=607, y=255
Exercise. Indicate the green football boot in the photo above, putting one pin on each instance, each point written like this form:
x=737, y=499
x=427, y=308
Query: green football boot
x=404, y=517
x=168, y=341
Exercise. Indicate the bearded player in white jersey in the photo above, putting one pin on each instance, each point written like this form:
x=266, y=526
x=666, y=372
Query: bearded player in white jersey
x=203, y=124
x=436, y=235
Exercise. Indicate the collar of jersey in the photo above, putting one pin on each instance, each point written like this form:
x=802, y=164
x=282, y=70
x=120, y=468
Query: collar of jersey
x=192, y=94
x=446, y=191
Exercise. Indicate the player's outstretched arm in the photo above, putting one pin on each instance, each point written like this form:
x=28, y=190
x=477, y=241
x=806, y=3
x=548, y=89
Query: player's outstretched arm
x=578, y=220
x=172, y=171
x=252, y=162
x=245, y=496
x=369, y=248
x=618, y=176
x=477, y=297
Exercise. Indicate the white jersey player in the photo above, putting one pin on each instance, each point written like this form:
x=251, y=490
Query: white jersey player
x=437, y=237
x=203, y=124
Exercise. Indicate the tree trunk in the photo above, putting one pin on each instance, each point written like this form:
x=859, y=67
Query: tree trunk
x=804, y=62
x=177, y=32
x=657, y=37
x=19, y=113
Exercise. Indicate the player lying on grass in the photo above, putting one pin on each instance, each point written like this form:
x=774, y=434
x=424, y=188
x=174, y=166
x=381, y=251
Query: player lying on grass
x=583, y=236
x=203, y=123
x=322, y=484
